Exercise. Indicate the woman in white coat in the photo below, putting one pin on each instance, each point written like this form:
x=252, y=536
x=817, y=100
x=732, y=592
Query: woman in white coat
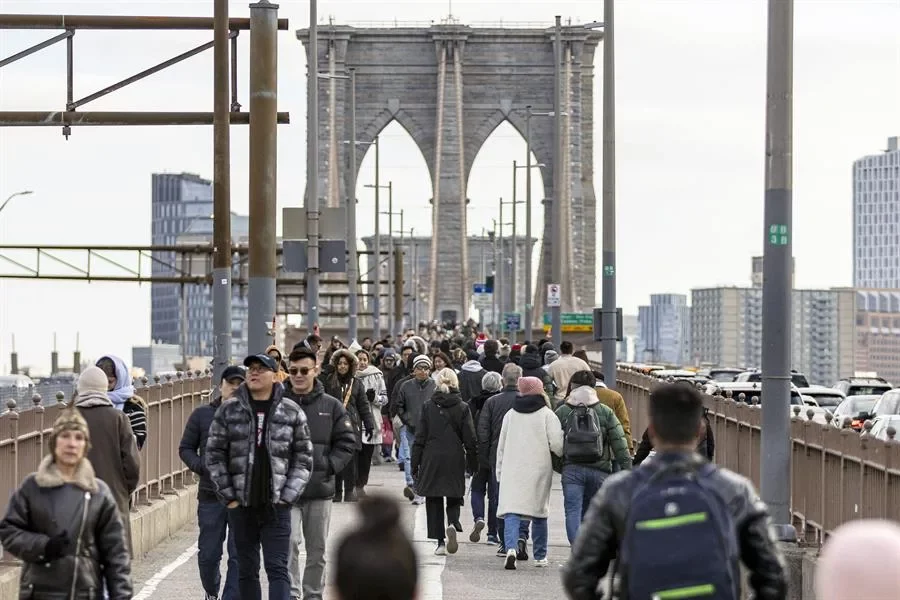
x=376, y=394
x=530, y=433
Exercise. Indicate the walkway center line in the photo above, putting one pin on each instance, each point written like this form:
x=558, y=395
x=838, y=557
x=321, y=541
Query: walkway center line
x=161, y=575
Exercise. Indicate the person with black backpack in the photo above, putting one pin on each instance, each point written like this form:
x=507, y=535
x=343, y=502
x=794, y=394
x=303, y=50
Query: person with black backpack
x=679, y=526
x=594, y=442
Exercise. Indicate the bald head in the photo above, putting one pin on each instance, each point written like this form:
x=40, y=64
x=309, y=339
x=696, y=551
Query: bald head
x=861, y=551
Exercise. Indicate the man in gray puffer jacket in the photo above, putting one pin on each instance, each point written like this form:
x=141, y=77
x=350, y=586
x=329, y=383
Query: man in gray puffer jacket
x=259, y=456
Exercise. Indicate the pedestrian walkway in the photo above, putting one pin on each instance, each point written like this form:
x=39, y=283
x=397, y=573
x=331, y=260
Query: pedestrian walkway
x=474, y=573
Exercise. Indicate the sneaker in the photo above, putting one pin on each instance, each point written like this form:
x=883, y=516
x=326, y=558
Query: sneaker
x=389, y=459
x=209, y=597
x=541, y=562
x=492, y=539
x=501, y=550
x=522, y=550
x=510, y=564
x=457, y=526
x=452, y=544
x=401, y=466
x=408, y=493
x=475, y=536
x=441, y=550
x=351, y=497
x=418, y=500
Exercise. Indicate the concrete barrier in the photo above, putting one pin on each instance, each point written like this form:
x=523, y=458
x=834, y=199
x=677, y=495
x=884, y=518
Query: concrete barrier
x=150, y=525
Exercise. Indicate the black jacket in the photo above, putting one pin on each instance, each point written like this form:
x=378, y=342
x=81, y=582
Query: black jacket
x=532, y=367
x=492, y=363
x=602, y=532
x=45, y=506
x=706, y=448
x=470, y=377
x=351, y=394
x=332, y=435
x=411, y=399
x=444, y=448
x=232, y=442
x=490, y=422
x=192, y=448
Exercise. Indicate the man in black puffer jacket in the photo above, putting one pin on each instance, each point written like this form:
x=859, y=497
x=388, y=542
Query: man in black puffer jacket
x=334, y=443
x=212, y=517
x=532, y=366
x=260, y=457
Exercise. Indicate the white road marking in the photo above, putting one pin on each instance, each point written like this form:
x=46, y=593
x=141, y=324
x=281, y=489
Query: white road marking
x=161, y=575
x=432, y=567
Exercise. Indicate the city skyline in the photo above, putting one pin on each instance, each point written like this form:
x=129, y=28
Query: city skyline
x=699, y=131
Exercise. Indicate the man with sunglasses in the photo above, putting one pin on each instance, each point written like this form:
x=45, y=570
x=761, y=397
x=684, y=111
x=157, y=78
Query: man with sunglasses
x=334, y=442
x=260, y=457
x=212, y=516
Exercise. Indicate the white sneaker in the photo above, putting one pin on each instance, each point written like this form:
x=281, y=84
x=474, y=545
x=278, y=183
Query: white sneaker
x=510, y=564
x=418, y=500
x=541, y=562
x=441, y=550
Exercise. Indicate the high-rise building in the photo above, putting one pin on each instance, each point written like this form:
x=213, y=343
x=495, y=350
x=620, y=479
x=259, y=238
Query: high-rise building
x=182, y=205
x=727, y=330
x=878, y=333
x=665, y=330
x=876, y=219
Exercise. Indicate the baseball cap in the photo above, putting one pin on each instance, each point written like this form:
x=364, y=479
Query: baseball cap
x=266, y=361
x=233, y=372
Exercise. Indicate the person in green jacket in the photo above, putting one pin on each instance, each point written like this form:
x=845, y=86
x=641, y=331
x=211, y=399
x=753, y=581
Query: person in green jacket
x=582, y=479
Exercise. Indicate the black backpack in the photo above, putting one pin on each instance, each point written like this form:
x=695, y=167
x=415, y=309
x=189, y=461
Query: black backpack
x=584, y=438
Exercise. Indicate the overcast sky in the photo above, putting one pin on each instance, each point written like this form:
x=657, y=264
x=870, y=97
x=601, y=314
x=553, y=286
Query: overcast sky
x=690, y=109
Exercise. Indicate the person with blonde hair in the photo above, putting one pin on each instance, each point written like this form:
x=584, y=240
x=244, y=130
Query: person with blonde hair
x=444, y=450
x=64, y=525
x=860, y=560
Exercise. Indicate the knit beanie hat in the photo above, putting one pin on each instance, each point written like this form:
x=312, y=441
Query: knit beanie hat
x=550, y=356
x=69, y=420
x=92, y=381
x=422, y=360
x=531, y=386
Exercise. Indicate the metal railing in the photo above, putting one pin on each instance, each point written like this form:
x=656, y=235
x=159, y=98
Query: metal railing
x=837, y=475
x=25, y=432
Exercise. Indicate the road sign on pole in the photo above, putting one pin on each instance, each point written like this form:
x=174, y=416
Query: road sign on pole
x=513, y=321
x=554, y=295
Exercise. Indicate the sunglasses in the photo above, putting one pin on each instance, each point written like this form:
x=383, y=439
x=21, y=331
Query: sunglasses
x=300, y=371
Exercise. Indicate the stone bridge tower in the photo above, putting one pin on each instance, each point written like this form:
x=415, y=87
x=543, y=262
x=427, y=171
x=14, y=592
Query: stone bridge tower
x=450, y=86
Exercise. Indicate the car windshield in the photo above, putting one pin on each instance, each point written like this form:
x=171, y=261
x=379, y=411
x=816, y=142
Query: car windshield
x=827, y=400
x=799, y=379
x=861, y=405
x=889, y=404
x=723, y=376
x=868, y=389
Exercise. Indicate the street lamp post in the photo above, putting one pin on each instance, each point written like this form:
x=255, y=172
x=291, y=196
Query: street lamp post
x=376, y=303
x=14, y=195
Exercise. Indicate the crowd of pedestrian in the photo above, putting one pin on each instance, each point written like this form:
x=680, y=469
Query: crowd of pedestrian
x=287, y=435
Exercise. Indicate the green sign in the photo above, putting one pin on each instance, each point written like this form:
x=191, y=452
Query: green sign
x=778, y=235
x=609, y=270
x=573, y=322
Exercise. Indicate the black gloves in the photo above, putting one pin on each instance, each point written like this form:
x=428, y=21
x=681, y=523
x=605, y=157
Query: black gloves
x=370, y=434
x=57, y=546
x=370, y=394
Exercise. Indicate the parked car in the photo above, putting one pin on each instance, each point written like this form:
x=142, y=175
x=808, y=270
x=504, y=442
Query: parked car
x=722, y=374
x=863, y=386
x=888, y=404
x=675, y=374
x=797, y=378
x=881, y=424
x=824, y=397
x=857, y=408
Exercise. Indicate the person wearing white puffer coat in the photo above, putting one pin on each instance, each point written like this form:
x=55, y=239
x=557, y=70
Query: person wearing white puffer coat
x=376, y=394
x=531, y=432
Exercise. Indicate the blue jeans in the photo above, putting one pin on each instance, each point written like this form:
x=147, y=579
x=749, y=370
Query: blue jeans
x=579, y=485
x=212, y=517
x=524, y=526
x=481, y=486
x=270, y=528
x=407, y=439
x=513, y=524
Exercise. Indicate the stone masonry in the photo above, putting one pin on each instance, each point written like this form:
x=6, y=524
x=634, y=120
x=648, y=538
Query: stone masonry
x=450, y=86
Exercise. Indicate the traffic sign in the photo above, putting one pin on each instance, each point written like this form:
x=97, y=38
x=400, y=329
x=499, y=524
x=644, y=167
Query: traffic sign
x=482, y=301
x=482, y=288
x=512, y=321
x=554, y=295
x=573, y=322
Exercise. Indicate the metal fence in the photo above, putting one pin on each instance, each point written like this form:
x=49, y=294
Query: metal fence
x=837, y=475
x=25, y=431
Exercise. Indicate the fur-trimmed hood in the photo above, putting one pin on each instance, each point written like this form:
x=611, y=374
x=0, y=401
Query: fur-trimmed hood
x=417, y=343
x=351, y=358
x=48, y=475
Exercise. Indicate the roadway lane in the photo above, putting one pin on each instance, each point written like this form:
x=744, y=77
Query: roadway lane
x=474, y=573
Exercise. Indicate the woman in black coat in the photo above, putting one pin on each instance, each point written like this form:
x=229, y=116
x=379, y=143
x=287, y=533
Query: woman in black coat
x=343, y=385
x=445, y=448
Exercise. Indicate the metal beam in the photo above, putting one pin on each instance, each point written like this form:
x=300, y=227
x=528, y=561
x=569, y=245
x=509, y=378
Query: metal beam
x=120, y=22
x=145, y=73
x=36, y=48
x=12, y=118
